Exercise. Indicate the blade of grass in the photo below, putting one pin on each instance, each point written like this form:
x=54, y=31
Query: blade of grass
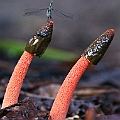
x=15, y=48
x=59, y=55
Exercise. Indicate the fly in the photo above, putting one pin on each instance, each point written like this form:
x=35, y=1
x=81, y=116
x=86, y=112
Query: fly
x=34, y=11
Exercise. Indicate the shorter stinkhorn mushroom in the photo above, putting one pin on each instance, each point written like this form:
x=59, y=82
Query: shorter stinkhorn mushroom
x=92, y=54
x=35, y=47
x=91, y=115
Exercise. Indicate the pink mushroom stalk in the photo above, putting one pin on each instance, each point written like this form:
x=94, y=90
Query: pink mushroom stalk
x=92, y=54
x=35, y=47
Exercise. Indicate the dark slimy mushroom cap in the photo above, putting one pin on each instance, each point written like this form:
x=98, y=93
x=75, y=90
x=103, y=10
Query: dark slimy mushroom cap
x=39, y=42
x=97, y=49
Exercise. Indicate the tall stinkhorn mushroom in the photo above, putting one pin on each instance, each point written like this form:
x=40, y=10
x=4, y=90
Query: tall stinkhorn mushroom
x=92, y=54
x=35, y=47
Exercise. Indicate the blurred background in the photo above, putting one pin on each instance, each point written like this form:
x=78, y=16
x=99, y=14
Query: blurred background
x=91, y=19
x=70, y=38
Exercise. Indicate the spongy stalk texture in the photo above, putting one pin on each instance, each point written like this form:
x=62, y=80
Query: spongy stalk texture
x=63, y=98
x=16, y=80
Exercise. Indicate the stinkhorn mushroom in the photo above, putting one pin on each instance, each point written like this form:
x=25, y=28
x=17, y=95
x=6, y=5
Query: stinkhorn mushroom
x=92, y=54
x=35, y=47
x=91, y=115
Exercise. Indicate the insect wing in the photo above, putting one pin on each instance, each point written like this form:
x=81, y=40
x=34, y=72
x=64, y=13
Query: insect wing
x=63, y=15
x=33, y=11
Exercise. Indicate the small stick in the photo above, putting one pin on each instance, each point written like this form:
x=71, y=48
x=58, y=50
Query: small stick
x=91, y=55
x=35, y=47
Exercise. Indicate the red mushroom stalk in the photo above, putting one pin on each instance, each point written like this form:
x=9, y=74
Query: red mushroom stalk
x=92, y=54
x=35, y=47
x=91, y=115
